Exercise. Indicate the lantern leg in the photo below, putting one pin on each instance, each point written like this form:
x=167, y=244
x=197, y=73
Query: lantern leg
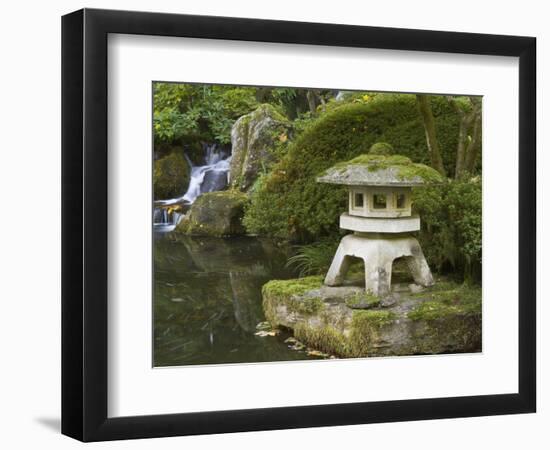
x=338, y=268
x=377, y=276
x=418, y=266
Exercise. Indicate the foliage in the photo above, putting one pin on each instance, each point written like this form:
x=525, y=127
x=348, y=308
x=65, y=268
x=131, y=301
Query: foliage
x=451, y=225
x=313, y=259
x=294, y=102
x=205, y=112
x=288, y=203
x=170, y=176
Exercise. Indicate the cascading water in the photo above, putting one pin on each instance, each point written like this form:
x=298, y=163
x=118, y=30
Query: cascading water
x=210, y=177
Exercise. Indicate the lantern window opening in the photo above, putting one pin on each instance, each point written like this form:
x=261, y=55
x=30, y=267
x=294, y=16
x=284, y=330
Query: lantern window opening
x=400, y=201
x=379, y=201
x=358, y=200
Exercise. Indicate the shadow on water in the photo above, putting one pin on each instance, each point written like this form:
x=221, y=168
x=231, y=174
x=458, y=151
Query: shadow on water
x=208, y=301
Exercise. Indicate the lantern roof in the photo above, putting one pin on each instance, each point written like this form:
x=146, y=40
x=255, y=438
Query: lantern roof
x=380, y=170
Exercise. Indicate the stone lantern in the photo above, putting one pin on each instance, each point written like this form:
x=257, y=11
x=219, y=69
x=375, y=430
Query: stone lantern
x=379, y=214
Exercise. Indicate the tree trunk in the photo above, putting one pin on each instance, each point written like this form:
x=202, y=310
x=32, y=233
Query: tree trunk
x=466, y=153
x=460, y=149
x=425, y=109
x=312, y=101
x=473, y=148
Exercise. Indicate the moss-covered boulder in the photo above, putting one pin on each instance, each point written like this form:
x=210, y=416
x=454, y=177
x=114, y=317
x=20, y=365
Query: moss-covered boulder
x=215, y=214
x=254, y=138
x=170, y=176
x=442, y=319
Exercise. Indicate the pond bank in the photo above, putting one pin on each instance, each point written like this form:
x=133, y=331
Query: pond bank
x=443, y=319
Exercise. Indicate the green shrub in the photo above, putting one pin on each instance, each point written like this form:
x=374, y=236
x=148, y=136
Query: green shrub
x=184, y=112
x=288, y=203
x=451, y=226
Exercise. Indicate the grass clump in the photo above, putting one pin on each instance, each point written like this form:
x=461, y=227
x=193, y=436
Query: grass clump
x=313, y=258
x=327, y=339
x=355, y=344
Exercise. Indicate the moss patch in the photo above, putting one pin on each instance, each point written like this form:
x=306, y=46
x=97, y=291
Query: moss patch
x=296, y=286
x=362, y=319
x=355, y=343
x=326, y=339
x=406, y=169
x=288, y=294
x=362, y=301
x=255, y=138
x=446, y=300
x=381, y=148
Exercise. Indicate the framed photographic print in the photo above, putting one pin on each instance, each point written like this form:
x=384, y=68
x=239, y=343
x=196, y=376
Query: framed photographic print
x=274, y=224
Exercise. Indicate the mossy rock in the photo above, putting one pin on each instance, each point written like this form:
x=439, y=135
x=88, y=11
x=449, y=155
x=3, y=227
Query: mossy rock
x=254, y=139
x=443, y=319
x=215, y=214
x=171, y=175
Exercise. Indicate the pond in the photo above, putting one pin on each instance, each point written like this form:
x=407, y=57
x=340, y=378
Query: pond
x=208, y=300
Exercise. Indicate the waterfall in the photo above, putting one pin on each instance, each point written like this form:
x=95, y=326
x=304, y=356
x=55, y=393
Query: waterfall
x=212, y=176
x=209, y=177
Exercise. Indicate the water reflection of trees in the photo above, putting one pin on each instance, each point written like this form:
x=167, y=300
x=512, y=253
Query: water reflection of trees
x=208, y=293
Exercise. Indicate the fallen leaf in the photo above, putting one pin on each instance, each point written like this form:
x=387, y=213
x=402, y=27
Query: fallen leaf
x=266, y=333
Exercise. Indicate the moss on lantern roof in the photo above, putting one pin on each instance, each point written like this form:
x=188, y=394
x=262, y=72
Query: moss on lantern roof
x=380, y=170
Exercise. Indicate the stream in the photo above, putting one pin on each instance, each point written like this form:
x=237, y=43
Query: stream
x=208, y=301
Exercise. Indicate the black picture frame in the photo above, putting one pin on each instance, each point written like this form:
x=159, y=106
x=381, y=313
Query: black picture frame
x=84, y=224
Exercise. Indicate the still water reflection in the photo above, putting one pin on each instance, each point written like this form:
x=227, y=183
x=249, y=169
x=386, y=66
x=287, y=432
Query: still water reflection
x=208, y=301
